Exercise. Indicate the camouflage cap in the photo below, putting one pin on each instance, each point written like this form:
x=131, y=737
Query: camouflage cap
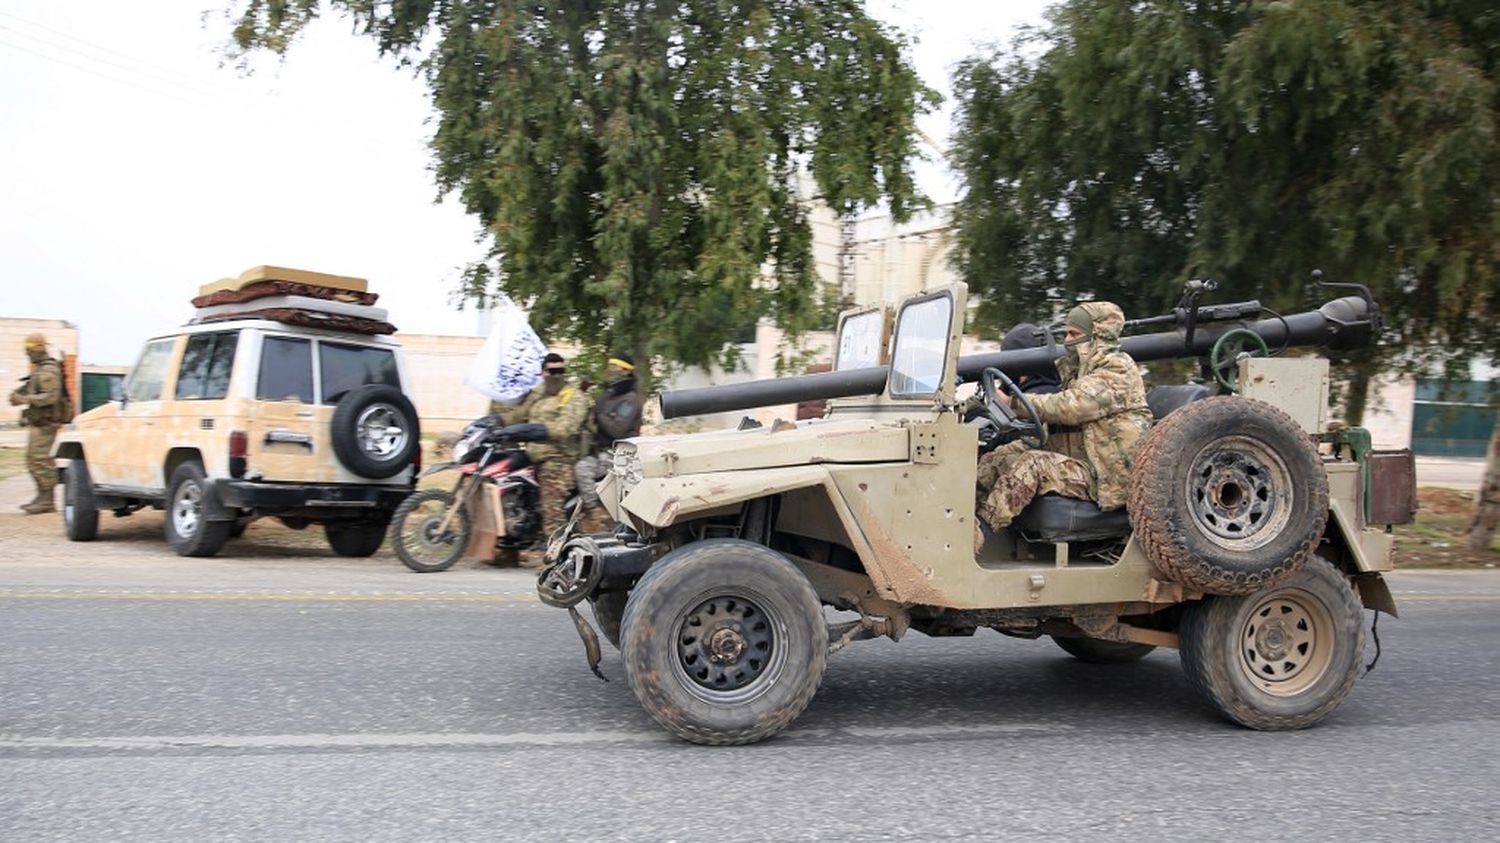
x=36, y=342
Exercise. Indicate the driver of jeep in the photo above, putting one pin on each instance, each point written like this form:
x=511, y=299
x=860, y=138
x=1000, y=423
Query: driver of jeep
x=1102, y=394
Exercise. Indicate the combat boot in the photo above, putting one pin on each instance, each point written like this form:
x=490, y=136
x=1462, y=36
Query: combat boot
x=39, y=505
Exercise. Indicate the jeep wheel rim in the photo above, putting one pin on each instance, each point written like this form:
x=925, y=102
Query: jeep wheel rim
x=381, y=431
x=728, y=649
x=1286, y=643
x=1239, y=493
x=187, y=508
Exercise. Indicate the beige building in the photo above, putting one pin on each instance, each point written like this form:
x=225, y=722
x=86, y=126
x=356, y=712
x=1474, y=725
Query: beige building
x=62, y=339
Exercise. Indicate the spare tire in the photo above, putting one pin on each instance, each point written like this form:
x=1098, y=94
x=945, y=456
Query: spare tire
x=375, y=432
x=1228, y=495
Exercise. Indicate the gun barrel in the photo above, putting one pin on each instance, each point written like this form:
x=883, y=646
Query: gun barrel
x=1340, y=325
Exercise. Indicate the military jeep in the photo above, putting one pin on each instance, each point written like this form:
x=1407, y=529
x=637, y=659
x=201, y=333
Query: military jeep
x=1253, y=536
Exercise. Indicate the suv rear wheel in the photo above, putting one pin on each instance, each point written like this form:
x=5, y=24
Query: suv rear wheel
x=354, y=540
x=723, y=642
x=188, y=531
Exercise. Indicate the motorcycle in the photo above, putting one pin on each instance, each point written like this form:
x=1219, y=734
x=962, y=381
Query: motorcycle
x=493, y=510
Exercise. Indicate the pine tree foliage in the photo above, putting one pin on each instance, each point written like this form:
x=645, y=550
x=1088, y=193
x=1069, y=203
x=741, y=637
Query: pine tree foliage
x=1126, y=146
x=639, y=163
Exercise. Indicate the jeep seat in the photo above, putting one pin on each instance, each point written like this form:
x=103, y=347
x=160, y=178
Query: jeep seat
x=1165, y=399
x=1054, y=518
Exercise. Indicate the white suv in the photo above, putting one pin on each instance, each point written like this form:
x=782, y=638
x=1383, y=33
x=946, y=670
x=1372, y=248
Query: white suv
x=227, y=421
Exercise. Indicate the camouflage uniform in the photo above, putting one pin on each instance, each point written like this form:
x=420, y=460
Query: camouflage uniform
x=1105, y=396
x=563, y=414
x=43, y=397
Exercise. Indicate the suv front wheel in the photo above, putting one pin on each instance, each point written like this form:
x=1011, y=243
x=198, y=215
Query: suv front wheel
x=188, y=531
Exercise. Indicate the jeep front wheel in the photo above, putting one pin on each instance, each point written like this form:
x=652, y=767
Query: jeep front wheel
x=188, y=530
x=1282, y=658
x=723, y=642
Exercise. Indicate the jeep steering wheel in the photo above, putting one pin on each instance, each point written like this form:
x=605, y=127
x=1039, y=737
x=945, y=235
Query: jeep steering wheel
x=1030, y=430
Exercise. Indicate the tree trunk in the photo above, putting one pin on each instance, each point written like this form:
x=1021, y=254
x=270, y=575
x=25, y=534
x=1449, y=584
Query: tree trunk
x=1359, y=390
x=1487, y=510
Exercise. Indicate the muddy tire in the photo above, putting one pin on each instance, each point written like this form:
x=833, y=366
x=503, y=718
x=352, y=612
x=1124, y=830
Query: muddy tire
x=723, y=642
x=1228, y=496
x=415, y=532
x=609, y=611
x=80, y=511
x=1098, y=651
x=1282, y=658
x=354, y=540
x=375, y=432
x=187, y=528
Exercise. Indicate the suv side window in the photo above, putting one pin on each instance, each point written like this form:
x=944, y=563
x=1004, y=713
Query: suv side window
x=346, y=367
x=150, y=371
x=285, y=370
x=206, y=365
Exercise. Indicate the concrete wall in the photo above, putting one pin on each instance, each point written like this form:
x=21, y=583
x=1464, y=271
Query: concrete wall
x=62, y=338
x=1388, y=410
x=435, y=365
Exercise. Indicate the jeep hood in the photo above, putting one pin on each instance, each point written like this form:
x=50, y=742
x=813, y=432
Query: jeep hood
x=777, y=446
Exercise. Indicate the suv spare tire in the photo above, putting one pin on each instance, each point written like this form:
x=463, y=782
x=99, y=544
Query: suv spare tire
x=1229, y=496
x=375, y=432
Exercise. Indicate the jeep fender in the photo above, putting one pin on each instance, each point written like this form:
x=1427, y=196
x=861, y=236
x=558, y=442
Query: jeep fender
x=663, y=501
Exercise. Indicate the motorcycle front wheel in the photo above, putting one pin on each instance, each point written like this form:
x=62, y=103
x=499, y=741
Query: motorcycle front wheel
x=418, y=536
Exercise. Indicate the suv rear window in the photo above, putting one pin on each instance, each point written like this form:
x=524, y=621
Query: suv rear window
x=346, y=367
x=206, y=365
x=285, y=370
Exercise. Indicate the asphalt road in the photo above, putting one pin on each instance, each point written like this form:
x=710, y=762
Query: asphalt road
x=266, y=697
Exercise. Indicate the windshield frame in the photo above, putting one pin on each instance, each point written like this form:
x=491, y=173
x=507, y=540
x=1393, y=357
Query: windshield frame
x=898, y=381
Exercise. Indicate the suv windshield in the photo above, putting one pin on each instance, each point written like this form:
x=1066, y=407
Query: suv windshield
x=921, y=348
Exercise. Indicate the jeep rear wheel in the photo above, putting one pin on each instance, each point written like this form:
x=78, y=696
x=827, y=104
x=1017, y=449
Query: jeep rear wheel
x=1282, y=658
x=723, y=642
x=187, y=527
x=1228, y=495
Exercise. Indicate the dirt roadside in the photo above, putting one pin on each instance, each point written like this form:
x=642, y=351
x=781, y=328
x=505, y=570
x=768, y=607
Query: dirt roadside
x=1436, y=540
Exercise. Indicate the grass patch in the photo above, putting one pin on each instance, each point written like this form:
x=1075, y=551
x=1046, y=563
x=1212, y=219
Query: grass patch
x=12, y=462
x=1438, y=537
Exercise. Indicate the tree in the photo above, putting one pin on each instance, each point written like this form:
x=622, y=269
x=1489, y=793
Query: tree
x=639, y=164
x=1125, y=146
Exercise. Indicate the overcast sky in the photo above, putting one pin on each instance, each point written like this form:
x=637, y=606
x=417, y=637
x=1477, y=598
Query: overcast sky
x=134, y=168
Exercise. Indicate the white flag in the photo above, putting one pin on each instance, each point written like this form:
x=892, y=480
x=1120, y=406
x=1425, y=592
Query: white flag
x=509, y=364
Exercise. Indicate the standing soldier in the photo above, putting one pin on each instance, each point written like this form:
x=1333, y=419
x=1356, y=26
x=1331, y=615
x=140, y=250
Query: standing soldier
x=617, y=415
x=46, y=409
x=1102, y=393
x=550, y=417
